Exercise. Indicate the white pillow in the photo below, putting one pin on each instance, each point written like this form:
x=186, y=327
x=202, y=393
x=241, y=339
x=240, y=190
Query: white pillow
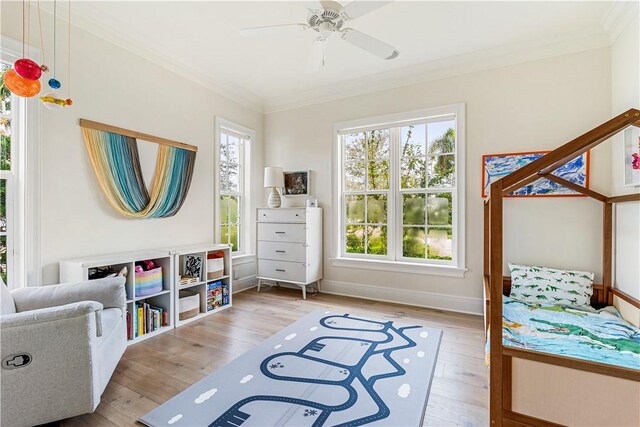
x=542, y=285
x=7, y=306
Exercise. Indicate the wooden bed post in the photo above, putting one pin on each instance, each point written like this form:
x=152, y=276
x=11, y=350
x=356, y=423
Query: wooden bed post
x=607, y=252
x=487, y=239
x=486, y=285
x=495, y=280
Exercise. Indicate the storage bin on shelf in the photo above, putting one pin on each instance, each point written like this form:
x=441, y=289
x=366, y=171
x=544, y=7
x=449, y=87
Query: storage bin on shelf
x=215, y=266
x=148, y=282
x=188, y=304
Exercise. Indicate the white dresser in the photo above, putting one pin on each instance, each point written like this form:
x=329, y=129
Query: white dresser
x=289, y=246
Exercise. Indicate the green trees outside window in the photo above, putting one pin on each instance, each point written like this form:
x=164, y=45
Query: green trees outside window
x=5, y=165
x=426, y=166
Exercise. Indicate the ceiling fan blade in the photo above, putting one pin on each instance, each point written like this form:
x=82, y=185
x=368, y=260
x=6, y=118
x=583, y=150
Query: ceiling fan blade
x=368, y=43
x=273, y=29
x=356, y=9
x=316, y=55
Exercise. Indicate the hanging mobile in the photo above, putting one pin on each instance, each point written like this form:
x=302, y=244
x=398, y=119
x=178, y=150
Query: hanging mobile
x=22, y=79
x=49, y=100
x=53, y=82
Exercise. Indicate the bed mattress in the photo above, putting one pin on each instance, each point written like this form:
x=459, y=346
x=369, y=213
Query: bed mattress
x=595, y=335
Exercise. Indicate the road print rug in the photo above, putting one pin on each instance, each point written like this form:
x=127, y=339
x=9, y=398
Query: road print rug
x=326, y=369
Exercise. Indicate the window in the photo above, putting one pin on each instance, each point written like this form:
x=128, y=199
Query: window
x=400, y=193
x=19, y=168
x=7, y=178
x=233, y=151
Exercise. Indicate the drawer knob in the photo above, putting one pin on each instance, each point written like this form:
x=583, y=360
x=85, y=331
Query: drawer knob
x=280, y=252
x=297, y=215
x=280, y=270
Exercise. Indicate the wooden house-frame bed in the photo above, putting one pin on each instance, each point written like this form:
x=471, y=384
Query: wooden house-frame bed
x=534, y=388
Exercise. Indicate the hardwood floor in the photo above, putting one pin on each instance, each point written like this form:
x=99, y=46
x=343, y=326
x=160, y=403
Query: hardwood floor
x=155, y=370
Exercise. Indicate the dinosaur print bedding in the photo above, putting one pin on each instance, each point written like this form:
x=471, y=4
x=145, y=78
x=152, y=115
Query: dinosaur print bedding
x=595, y=335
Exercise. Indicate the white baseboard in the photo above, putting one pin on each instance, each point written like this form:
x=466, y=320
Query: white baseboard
x=403, y=296
x=244, y=284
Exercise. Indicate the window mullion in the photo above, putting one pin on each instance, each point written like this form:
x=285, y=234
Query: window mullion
x=394, y=230
x=366, y=188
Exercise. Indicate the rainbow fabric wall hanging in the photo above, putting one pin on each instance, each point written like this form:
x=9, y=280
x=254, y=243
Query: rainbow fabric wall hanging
x=114, y=156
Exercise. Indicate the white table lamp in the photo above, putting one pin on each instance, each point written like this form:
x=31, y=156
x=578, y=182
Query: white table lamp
x=274, y=179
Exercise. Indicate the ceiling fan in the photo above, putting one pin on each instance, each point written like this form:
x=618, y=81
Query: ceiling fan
x=330, y=18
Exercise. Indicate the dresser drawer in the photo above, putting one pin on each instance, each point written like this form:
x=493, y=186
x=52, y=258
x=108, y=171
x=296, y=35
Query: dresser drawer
x=282, y=270
x=282, y=215
x=284, y=251
x=282, y=232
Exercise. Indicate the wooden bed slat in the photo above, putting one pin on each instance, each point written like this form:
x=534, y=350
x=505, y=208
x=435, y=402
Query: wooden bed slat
x=516, y=419
x=625, y=198
x=626, y=297
x=575, y=187
x=573, y=363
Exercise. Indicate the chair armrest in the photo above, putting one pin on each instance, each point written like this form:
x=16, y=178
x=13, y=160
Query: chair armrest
x=110, y=292
x=62, y=375
x=50, y=314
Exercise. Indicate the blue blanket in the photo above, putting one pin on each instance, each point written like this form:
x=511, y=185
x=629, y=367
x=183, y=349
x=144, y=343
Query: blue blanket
x=595, y=335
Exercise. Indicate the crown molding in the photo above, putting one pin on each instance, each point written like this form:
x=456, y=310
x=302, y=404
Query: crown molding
x=619, y=15
x=224, y=87
x=487, y=59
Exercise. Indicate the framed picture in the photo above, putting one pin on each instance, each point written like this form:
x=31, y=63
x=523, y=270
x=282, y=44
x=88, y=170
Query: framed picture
x=192, y=266
x=296, y=183
x=632, y=156
x=495, y=166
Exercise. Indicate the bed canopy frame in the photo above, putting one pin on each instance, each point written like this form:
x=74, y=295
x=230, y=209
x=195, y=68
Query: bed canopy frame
x=497, y=285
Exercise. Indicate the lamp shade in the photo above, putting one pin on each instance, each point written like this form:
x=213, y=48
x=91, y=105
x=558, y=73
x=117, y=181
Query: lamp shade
x=273, y=177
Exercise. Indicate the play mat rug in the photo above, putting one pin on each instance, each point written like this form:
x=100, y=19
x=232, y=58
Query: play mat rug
x=326, y=369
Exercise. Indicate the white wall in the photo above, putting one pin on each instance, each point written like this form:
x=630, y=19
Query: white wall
x=625, y=94
x=538, y=105
x=114, y=86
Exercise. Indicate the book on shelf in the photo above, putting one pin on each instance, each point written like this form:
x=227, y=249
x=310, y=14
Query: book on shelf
x=214, y=295
x=145, y=319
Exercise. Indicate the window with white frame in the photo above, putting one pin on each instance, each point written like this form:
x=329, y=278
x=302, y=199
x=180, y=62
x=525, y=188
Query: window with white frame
x=7, y=178
x=19, y=169
x=233, y=151
x=401, y=188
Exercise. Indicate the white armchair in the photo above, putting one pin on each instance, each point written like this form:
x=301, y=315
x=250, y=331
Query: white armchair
x=60, y=345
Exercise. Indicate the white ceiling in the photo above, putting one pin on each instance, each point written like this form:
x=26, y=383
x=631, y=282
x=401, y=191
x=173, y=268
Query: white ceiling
x=202, y=40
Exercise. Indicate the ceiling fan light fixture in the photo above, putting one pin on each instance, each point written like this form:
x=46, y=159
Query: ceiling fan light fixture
x=326, y=29
x=330, y=18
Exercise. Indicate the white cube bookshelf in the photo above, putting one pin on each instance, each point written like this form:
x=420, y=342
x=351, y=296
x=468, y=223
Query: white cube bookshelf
x=76, y=270
x=200, y=287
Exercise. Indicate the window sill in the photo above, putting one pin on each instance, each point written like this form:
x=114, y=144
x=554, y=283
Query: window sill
x=240, y=259
x=400, y=267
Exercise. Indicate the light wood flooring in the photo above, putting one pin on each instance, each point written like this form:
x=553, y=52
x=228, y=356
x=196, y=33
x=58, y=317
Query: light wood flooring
x=153, y=371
